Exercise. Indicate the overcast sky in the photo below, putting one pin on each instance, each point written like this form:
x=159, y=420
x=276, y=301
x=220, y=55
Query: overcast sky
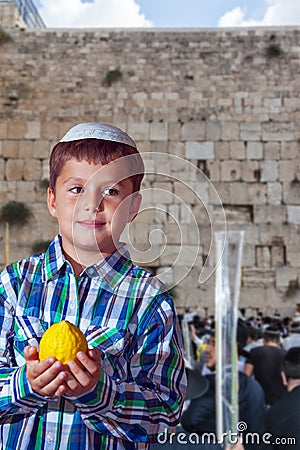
x=168, y=13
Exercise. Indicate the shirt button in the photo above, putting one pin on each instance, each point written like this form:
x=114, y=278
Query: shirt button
x=117, y=345
x=91, y=271
x=72, y=305
x=21, y=333
x=49, y=437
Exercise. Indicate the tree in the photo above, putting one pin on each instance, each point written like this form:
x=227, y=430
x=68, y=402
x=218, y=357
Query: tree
x=13, y=213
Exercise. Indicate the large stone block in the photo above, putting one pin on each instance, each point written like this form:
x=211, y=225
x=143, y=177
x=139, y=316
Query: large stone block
x=248, y=255
x=257, y=193
x=7, y=191
x=222, y=150
x=293, y=214
x=278, y=257
x=193, y=131
x=258, y=277
x=16, y=130
x=237, y=150
x=254, y=150
x=239, y=193
x=291, y=192
x=14, y=169
x=139, y=131
x=286, y=275
x=199, y=150
x=237, y=215
x=270, y=214
x=32, y=169
x=158, y=131
x=272, y=151
x=162, y=192
x=213, y=168
x=278, y=131
x=229, y=131
x=219, y=192
x=250, y=131
x=25, y=191
x=10, y=149
x=251, y=171
x=3, y=130
x=213, y=131
x=263, y=256
x=269, y=171
x=33, y=130
x=252, y=298
x=274, y=193
x=231, y=171
x=287, y=170
x=290, y=150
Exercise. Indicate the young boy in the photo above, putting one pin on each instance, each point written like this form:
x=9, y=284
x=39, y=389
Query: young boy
x=131, y=383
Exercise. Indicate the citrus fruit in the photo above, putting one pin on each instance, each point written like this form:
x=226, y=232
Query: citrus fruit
x=62, y=340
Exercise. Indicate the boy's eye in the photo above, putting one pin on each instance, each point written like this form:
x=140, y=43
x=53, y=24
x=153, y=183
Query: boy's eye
x=111, y=192
x=76, y=189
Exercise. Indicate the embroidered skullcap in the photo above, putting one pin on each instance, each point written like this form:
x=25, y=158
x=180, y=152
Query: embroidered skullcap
x=97, y=130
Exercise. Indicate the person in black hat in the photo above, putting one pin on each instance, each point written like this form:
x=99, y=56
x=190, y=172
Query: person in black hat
x=265, y=363
x=197, y=385
x=282, y=420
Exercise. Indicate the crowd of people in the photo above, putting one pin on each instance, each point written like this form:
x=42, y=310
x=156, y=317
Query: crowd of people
x=268, y=353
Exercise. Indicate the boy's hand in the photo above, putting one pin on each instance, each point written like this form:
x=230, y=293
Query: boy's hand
x=52, y=379
x=83, y=379
x=48, y=377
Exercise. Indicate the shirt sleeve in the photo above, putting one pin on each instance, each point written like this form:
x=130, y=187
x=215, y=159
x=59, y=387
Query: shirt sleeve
x=150, y=400
x=16, y=395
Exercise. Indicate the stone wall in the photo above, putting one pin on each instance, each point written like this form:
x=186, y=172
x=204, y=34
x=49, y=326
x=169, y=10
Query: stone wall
x=224, y=101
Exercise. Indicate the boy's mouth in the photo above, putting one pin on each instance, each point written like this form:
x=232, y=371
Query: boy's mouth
x=91, y=223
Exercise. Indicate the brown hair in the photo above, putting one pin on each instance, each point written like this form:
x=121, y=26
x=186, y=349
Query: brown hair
x=96, y=151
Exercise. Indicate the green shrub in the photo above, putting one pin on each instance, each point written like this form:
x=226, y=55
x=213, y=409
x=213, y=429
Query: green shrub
x=112, y=76
x=274, y=50
x=15, y=213
x=4, y=36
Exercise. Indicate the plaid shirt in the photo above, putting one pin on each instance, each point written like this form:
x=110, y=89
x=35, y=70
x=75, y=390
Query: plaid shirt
x=125, y=312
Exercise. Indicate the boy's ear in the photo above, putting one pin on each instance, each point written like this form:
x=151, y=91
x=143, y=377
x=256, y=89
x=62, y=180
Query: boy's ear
x=135, y=206
x=51, y=202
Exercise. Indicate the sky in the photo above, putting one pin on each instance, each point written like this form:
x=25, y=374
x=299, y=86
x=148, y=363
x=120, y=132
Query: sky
x=168, y=13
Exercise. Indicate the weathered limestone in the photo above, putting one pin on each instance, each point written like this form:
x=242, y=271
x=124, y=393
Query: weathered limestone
x=212, y=98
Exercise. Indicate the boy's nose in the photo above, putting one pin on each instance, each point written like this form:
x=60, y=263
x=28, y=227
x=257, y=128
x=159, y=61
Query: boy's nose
x=93, y=204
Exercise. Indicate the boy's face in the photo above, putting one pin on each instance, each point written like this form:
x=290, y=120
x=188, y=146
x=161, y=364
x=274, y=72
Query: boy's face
x=92, y=204
x=210, y=353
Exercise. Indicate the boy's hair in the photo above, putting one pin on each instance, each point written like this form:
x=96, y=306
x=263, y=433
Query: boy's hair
x=96, y=151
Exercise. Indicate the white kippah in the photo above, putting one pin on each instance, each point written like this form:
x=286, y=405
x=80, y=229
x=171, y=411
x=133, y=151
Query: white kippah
x=97, y=130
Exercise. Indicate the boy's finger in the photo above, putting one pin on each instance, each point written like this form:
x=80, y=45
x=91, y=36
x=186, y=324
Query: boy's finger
x=31, y=353
x=80, y=374
x=94, y=354
x=48, y=373
x=90, y=362
x=55, y=387
x=72, y=384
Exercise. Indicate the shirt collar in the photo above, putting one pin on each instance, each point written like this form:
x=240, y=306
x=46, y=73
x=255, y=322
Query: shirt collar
x=54, y=259
x=112, y=269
